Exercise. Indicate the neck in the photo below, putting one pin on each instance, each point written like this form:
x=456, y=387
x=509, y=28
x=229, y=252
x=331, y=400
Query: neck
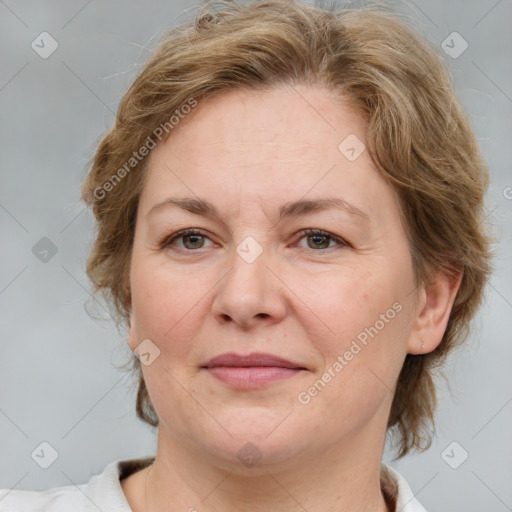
x=337, y=479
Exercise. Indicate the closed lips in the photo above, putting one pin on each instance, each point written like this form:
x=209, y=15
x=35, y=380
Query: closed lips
x=251, y=360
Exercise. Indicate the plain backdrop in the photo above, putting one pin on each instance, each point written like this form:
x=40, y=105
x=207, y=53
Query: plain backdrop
x=59, y=381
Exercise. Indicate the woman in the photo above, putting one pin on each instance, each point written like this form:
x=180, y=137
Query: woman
x=289, y=215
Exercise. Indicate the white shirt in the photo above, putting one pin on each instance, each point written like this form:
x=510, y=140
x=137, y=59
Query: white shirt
x=104, y=493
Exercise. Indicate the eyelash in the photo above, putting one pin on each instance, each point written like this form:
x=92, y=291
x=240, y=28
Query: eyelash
x=306, y=232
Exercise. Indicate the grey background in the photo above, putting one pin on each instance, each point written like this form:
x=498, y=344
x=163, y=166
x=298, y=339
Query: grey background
x=58, y=376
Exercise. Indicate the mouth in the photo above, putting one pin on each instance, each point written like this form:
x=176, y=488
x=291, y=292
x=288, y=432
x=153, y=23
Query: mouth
x=251, y=371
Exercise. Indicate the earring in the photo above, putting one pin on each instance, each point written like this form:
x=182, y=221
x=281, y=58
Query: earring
x=422, y=344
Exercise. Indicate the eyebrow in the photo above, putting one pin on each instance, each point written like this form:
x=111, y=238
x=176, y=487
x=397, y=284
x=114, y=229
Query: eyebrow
x=291, y=209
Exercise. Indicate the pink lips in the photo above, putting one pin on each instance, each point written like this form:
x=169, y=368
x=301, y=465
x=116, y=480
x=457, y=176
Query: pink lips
x=251, y=371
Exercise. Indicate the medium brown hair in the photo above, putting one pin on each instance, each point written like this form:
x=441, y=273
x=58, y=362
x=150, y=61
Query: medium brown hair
x=418, y=137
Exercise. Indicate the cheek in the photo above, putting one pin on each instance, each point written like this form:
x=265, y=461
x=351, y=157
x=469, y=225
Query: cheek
x=349, y=299
x=364, y=320
x=363, y=348
x=165, y=305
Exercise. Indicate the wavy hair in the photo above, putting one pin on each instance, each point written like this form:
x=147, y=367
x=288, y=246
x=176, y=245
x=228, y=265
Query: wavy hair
x=418, y=136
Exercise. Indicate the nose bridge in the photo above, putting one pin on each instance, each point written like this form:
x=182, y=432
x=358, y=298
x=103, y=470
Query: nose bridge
x=249, y=269
x=249, y=290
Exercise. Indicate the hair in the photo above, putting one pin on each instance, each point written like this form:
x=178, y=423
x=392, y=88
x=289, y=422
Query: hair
x=418, y=136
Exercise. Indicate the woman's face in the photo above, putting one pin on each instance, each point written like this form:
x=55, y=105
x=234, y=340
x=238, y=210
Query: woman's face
x=338, y=305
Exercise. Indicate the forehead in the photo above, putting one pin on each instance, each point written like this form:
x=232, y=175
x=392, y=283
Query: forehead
x=268, y=146
x=299, y=119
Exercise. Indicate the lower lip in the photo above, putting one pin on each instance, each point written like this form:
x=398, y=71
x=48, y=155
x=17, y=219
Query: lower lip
x=252, y=377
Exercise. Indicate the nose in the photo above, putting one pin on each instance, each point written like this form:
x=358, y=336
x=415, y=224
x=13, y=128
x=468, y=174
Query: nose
x=251, y=292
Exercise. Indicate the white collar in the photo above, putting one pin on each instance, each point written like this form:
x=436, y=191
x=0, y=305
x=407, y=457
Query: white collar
x=104, y=492
x=406, y=502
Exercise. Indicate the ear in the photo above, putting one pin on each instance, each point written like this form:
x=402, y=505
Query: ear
x=132, y=337
x=433, y=312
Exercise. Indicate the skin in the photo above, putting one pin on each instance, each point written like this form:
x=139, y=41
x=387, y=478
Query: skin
x=303, y=299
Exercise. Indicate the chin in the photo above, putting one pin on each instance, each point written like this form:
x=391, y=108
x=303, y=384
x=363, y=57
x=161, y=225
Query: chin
x=257, y=442
x=244, y=457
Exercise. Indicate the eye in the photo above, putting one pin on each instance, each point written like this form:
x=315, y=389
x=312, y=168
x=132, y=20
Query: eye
x=192, y=239
x=321, y=239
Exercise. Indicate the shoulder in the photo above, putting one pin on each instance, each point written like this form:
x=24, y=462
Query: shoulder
x=52, y=500
x=103, y=492
x=400, y=491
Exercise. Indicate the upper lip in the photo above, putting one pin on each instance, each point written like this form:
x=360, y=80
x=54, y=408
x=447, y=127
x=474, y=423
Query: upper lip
x=251, y=360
